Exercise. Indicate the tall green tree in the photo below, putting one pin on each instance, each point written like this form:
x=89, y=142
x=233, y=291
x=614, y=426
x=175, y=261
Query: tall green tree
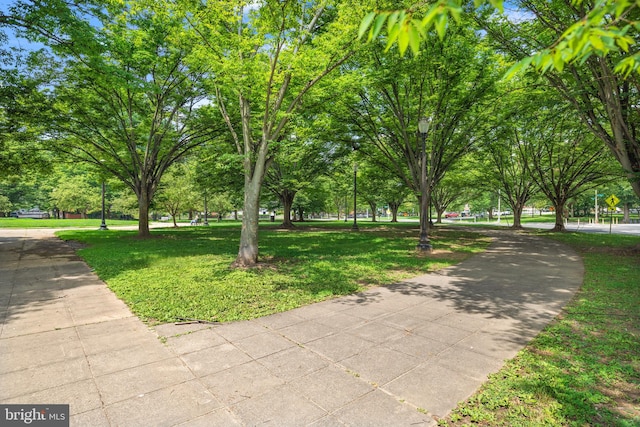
x=128, y=103
x=607, y=102
x=298, y=161
x=451, y=81
x=177, y=192
x=20, y=103
x=76, y=195
x=564, y=160
x=268, y=57
x=505, y=165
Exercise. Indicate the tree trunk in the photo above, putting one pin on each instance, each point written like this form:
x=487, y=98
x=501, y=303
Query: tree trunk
x=626, y=209
x=248, y=251
x=373, y=207
x=517, y=216
x=394, y=211
x=559, y=226
x=253, y=178
x=143, y=213
x=286, y=198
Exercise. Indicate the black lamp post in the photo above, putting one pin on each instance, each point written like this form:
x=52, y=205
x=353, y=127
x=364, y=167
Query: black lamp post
x=103, y=225
x=424, y=244
x=355, y=189
x=205, y=210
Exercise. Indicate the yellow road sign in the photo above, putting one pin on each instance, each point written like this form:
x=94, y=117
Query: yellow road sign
x=612, y=201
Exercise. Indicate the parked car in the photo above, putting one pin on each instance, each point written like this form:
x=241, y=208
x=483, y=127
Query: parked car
x=32, y=213
x=451, y=215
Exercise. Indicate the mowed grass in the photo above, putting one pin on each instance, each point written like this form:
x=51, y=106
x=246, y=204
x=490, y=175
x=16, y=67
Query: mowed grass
x=186, y=273
x=60, y=223
x=584, y=368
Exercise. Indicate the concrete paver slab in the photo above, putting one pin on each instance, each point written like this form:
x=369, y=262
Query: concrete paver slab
x=165, y=407
x=293, y=363
x=215, y=359
x=282, y=407
x=242, y=382
x=194, y=341
x=330, y=388
x=382, y=409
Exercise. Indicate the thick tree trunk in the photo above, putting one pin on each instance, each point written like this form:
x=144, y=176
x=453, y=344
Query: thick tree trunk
x=254, y=176
x=559, y=226
x=248, y=251
x=517, y=217
x=143, y=214
x=373, y=207
x=625, y=212
x=287, y=200
x=394, y=212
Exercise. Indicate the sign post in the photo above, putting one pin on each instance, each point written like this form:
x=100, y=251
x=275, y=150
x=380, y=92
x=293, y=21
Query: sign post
x=612, y=201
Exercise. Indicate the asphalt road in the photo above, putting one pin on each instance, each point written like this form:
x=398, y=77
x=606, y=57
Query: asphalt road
x=603, y=227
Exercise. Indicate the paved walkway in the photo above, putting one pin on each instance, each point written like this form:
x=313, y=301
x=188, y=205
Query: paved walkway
x=397, y=355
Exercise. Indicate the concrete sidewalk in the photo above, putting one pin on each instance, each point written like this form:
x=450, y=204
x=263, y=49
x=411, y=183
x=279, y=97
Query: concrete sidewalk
x=397, y=355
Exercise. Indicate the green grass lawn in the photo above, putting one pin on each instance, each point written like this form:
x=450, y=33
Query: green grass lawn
x=584, y=368
x=59, y=223
x=186, y=272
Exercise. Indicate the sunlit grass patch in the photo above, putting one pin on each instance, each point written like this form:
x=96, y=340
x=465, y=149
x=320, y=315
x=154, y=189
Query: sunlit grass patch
x=186, y=272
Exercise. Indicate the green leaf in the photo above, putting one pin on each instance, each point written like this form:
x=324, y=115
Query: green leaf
x=441, y=25
x=498, y=4
x=433, y=12
x=625, y=42
x=393, y=35
x=558, y=62
x=597, y=43
x=517, y=68
x=393, y=19
x=377, y=25
x=454, y=9
x=403, y=39
x=414, y=37
x=366, y=22
x=621, y=6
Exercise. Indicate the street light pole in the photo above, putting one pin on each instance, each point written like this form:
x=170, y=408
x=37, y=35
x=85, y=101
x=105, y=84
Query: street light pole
x=424, y=244
x=205, y=210
x=355, y=188
x=103, y=225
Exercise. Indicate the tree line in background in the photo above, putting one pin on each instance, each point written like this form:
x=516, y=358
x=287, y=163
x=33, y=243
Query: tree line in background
x=277, y=104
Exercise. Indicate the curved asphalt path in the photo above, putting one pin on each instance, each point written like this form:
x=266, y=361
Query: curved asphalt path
x=397, y=355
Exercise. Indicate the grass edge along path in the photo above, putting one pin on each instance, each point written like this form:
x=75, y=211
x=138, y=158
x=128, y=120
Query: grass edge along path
x=584, y=368
x=185, y=272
